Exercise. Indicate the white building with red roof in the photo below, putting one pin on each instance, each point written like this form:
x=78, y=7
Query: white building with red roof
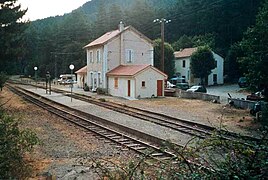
x=183, y=63
x=121, y=61
x=81, y=77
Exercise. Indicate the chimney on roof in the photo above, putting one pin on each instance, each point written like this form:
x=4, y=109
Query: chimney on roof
x=121, y=26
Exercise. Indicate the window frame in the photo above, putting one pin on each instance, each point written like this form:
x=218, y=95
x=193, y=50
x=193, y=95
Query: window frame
x=129, y=55
x=143, y=84
x=116, y=82
x=91, y=59
x=98, y=56
x=99, y=79
x=183, y=63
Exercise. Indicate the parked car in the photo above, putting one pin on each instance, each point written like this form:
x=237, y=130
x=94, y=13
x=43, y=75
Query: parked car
x=242, y=82
x=67, y=81
x=183, y=86
x=170, y=85
x=197, y=89
x=180, y=82
x=257, y=96
x=176, y=80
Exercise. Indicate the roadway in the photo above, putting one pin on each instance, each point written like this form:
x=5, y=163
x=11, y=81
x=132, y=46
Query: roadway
x=223, y=91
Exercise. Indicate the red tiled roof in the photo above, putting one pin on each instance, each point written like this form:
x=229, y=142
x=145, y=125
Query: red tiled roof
x=127, y=70
x=104, y=38
x=82, y=70
x=109, y=35
x=187, y=52
x=131, y=70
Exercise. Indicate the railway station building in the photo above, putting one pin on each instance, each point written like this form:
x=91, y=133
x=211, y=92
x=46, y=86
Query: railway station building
x=121, y=62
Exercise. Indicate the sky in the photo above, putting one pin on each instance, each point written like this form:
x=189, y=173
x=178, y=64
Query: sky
x=39, y=9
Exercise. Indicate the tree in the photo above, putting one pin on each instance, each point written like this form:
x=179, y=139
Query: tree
x=204, y=40
x=101, y=24
x=115, y=16
x=231, y=64
x=144, y=24
x=255, y=48
x=183, y=42
x=202, y=62
x=169, y=57
x=11, y=29
x=195, y=41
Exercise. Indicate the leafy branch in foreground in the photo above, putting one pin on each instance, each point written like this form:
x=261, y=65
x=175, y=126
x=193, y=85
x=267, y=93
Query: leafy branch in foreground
x=212, y=158
x=14, y=143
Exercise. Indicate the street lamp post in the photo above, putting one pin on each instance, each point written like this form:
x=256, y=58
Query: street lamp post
x=48, y=82
x=35, y=76
x=71, y=68
x=162, y=21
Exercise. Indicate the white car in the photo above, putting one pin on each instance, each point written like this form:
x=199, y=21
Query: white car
x=197, y=89
x=170, y=85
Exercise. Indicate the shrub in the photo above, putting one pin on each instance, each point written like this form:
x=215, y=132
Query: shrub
x=86, y=88
x=101, y=91
x=213, y=158
x=102, y=100
x=14, y=143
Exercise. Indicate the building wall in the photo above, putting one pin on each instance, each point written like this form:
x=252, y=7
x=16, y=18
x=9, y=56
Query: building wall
x=150, y=77
x=94, y=69
x=183, y=71
x=218, y=71
x=113, y=54
x=142, y=50
x=193, y=81
x=122, y=90
x=80, y=77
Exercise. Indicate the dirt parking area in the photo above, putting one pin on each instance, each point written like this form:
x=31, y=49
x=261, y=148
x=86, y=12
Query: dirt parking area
x=204, y=112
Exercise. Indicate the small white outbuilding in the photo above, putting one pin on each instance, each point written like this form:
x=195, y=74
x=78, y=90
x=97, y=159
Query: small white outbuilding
x=136, y=81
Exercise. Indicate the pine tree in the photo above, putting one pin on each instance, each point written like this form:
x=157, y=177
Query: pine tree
x=11, y=30
x=255, y=47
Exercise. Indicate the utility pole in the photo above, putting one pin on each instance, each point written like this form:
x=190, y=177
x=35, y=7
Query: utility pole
x=162, y=21
x=55, y=67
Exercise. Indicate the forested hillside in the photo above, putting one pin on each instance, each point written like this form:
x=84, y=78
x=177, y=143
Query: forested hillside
x=53, y=43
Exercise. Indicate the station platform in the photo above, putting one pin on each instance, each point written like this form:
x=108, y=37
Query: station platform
x=115, y=117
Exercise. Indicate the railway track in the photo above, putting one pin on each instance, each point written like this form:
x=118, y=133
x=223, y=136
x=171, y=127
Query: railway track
x=88, y=122
x=184, y=126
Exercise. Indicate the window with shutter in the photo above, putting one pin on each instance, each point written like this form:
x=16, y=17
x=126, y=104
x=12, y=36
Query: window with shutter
x=129, y=55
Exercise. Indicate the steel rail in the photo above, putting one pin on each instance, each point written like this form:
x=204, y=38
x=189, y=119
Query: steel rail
x=182, y=125
x=120, y=138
